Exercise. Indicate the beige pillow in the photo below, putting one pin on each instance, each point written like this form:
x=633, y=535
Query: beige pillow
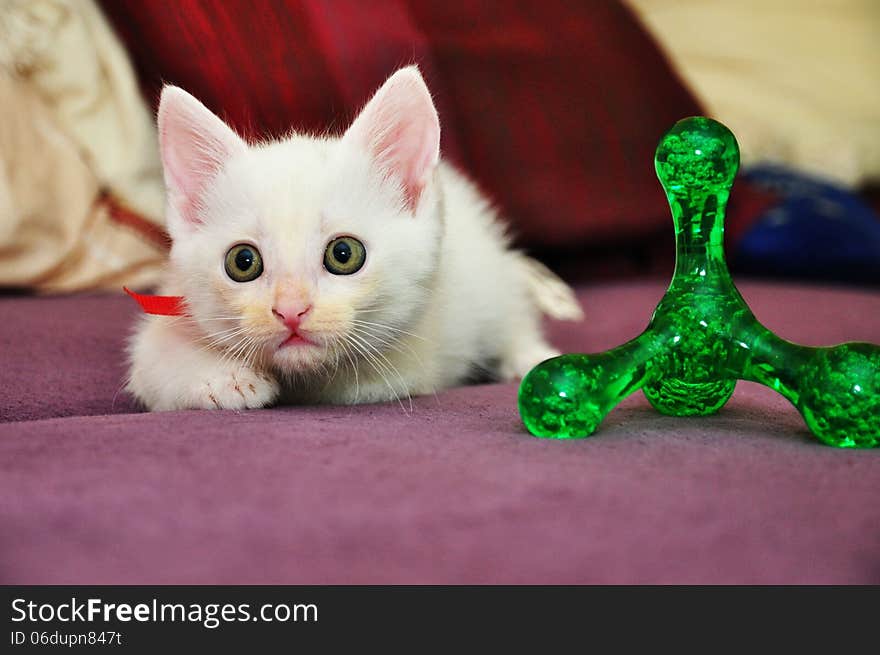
x=797, y=82
x=81, y=193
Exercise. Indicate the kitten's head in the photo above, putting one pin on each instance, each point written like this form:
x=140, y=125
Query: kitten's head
x=306, y=252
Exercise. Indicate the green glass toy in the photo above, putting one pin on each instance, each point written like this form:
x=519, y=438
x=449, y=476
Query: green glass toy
x=702, y=337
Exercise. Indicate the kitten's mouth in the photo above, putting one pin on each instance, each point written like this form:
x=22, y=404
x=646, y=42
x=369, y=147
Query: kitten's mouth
x=296, y=339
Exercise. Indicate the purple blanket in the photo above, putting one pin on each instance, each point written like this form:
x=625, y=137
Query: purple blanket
x=94, y=492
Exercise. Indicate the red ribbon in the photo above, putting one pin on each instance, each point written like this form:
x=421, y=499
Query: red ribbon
x=159, y=305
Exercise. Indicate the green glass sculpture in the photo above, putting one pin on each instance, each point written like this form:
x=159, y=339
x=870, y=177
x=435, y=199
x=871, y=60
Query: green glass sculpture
x=702, y=337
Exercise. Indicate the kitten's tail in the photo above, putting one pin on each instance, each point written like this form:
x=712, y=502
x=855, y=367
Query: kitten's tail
x=552, y=296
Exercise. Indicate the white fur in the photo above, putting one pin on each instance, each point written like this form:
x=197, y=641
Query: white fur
x=440, y=293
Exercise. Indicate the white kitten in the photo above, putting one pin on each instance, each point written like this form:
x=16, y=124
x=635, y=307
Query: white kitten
x=345, y=270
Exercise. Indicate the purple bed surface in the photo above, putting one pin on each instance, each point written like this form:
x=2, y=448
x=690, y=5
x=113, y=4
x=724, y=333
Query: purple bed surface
x=93, y=491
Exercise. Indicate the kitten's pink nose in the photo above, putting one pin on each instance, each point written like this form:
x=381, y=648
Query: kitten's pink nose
x=291, y=316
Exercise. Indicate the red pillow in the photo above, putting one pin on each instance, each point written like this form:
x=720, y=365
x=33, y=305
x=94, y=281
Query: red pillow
x=554, y=108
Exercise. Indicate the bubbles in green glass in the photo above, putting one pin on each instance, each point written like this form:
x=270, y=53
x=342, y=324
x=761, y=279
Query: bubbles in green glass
x=702, y=337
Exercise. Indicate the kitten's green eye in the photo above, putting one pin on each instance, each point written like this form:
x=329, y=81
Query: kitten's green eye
x=243, y=263
x=344, y=256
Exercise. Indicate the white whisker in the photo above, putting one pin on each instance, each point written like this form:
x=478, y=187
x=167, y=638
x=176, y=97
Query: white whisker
x=373, y=363
x=390, y=328
x=380, y=360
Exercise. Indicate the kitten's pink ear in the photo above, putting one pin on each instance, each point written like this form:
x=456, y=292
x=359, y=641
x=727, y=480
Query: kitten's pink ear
x=400, y=129
x=195, y=145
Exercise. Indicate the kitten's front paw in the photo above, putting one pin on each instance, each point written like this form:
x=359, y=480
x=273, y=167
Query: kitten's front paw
x=522, y=361
x=168, y=372
x=239, y=388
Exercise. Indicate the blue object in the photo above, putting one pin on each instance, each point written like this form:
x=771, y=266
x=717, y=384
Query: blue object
x=818, y=231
